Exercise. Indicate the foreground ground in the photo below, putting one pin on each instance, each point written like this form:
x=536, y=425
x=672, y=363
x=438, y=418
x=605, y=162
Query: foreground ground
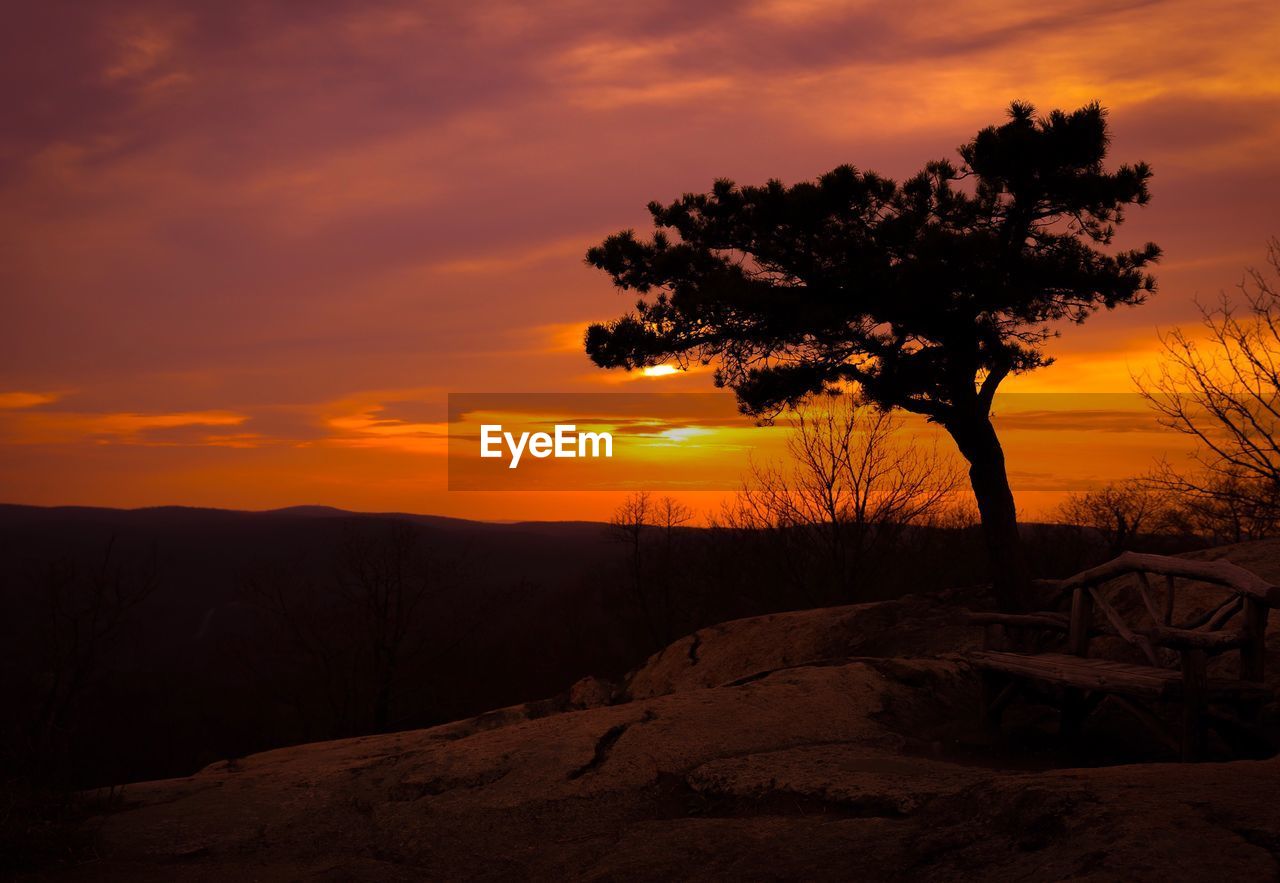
x=829, y=744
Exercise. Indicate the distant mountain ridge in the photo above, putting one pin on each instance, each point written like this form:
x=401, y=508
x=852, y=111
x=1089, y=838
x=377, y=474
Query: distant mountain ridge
x=304, y=510
x=201, y=638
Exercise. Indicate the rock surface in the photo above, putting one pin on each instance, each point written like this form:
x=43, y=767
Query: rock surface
x=780, y=747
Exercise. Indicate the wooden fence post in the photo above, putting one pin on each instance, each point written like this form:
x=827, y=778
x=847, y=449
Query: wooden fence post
x=1253, y=653
x=1081, y=620
x=1195, y=665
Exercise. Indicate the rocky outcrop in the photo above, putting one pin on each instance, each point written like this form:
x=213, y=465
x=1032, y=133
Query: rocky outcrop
x=811, y=772
x=543, y=795
x=799, y=746
x=914, y=626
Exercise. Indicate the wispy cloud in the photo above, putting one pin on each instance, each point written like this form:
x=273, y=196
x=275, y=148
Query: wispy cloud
x=17, y=400
x=27, y=427
x=243, y=210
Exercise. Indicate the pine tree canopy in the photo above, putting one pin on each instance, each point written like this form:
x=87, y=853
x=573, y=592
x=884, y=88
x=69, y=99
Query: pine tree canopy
x=925, y=293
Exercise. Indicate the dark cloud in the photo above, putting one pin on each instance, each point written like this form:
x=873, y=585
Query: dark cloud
x=265, y=207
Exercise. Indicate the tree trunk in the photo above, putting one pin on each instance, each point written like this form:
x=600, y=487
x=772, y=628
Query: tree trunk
x=1010, y=578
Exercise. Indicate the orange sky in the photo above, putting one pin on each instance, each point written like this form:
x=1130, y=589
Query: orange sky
x=247, y=249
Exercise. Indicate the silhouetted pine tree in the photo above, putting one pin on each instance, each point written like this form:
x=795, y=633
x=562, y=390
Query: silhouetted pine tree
x=925, y=293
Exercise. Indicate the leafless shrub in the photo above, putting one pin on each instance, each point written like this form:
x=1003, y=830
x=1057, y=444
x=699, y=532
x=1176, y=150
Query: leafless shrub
x=1120, y=512
x=851, y=488
x=84, y=610
x=648, y=529
x=374, y=616
x=1224, y=392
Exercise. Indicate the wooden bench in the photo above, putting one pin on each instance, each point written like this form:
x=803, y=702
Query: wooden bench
x=1175, y=657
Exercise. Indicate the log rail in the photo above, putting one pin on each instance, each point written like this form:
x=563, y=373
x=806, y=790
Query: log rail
x=1186, y=647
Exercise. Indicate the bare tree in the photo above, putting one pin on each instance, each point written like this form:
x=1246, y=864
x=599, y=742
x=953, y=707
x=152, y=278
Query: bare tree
x=849, y=489
x=85, y=610
x=1223, y=506
x=649, y=530
x=671, y=514
x=387, y=577
x=1224, y=392
x=380, y=609
x=1119, y=512
x=301, y=615
x=628, y=522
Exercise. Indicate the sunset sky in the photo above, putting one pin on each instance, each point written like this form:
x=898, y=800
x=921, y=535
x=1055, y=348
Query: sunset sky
x=249, y=248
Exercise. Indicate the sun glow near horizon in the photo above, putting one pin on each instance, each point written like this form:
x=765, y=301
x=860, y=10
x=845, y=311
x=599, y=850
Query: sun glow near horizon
x=224, y=291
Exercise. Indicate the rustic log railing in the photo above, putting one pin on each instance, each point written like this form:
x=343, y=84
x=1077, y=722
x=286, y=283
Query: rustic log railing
x=1177, y=656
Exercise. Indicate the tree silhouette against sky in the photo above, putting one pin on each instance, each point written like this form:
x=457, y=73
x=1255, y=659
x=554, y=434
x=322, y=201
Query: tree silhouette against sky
x=926, y=294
